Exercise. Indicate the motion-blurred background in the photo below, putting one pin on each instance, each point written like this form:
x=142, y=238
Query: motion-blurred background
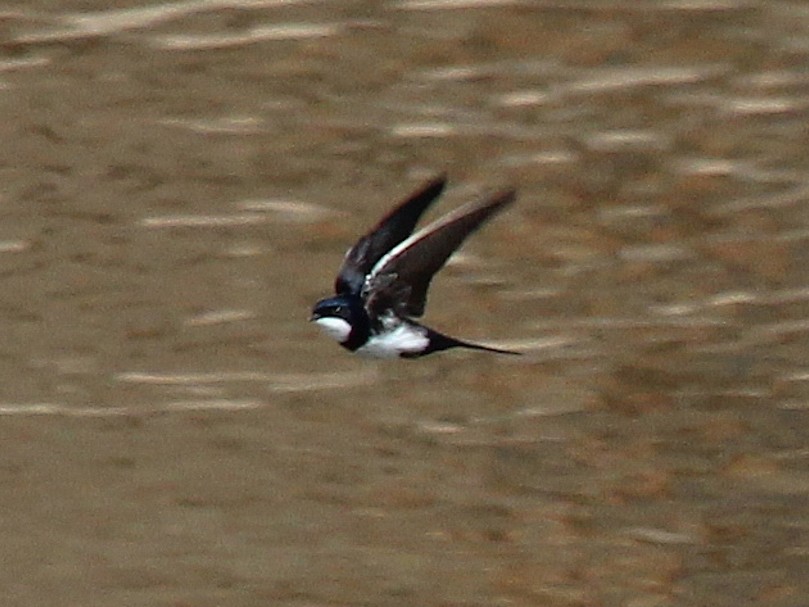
x=178, y=183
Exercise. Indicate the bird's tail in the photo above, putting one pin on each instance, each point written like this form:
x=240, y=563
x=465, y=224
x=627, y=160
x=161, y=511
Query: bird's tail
x=439, y=341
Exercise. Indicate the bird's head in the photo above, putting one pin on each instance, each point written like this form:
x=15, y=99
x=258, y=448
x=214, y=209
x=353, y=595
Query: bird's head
x=337, y=316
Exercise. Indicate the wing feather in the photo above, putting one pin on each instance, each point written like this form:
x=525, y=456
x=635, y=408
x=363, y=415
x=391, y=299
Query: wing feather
x=395, y=227
x=401, y=278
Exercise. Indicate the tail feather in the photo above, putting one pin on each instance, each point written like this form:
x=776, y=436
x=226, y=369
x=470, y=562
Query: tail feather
x=439, y=341
x=466, y=344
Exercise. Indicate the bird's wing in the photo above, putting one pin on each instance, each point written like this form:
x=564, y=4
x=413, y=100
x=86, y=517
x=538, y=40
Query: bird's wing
x=400, y=279
x=395, y=227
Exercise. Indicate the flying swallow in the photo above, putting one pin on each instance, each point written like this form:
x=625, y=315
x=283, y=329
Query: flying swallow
x=382, y=285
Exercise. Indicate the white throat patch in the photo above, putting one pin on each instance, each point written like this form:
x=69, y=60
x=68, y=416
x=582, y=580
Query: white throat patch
x=334, y=327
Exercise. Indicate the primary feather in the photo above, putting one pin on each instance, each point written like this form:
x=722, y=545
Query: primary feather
x=401, y=278
x=392, y=229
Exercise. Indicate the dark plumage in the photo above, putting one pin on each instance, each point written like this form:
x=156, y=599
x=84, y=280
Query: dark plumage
x=383, y=282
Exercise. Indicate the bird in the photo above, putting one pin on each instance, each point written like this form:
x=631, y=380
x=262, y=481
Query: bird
x=381, y=286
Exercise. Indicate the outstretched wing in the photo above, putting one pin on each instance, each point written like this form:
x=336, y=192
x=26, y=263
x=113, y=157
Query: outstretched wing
x=395, y=227
x=400, y=279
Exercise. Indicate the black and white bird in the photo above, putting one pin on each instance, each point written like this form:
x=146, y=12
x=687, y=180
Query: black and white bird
x=383, y=282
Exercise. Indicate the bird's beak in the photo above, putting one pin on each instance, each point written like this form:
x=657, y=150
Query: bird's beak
x=314, y=316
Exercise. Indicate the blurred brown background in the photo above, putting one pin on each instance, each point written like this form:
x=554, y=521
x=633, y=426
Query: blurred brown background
x=178, y=183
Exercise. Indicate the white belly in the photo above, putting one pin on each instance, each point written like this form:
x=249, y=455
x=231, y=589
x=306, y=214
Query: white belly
x=404, y=339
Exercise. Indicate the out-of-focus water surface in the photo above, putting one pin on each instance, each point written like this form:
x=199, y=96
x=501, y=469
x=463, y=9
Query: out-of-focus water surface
x=178, y=182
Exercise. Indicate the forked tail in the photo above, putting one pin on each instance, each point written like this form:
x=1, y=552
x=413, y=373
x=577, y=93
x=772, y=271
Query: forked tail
x=466, y=344
x=439, y=341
